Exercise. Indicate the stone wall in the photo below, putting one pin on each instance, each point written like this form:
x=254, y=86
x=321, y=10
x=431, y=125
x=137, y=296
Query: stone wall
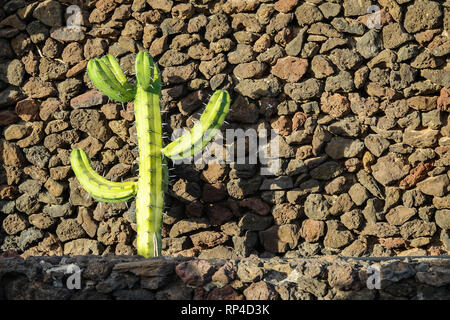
x=360, y=100
x=132, y=277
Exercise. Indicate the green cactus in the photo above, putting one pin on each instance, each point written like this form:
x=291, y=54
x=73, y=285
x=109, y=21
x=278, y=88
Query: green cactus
x=149, y=190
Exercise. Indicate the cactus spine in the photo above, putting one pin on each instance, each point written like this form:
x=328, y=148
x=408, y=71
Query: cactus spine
x=149, y=190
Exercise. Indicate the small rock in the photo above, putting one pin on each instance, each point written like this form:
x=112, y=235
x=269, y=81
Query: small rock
x=290, y=69
x=434, y=186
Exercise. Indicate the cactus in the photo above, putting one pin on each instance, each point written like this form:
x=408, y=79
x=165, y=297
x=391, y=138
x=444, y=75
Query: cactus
x=108, y=77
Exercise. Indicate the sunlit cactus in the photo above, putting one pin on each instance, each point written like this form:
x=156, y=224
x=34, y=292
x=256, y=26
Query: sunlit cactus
x=149, y=190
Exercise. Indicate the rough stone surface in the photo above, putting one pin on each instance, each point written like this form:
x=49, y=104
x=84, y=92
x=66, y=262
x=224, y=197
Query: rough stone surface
x=361, y=112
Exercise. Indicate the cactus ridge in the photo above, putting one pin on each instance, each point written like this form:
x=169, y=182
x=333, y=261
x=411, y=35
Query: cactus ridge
x=153, y=180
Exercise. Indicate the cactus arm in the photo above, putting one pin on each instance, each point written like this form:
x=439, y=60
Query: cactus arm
x=114, y=66
x=102, y=76
x=98, y=187
x=147, y=73
x=150, y=196
x=202, y=132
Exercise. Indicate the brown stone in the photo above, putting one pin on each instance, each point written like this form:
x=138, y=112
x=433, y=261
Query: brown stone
x=236, y=6
x=336, y=105
x=312, y=230
x=443, y=102
x=163, y=5
x=179, y=74
x=27, y=110
x=285, y=6
x=248, y=70
x=195, y=272
x=321, y=66
x=392, y=243
x=283, y=125
x=224, y=293
x=86, y=221
x=195, y=209
x=42, y=220
x=290, y=69
x=16, y=131
x=426, y=36
x=285, y=213
x=31, y=63
x=434, y=186
x=256, y=205
x=77, y=69
x=13, y=223
x=200, y=52
x=10, y=154
x=298, y=120
x=389, y=169
x=90, y=145
x=214, y=192
x=399, y=215
x=262, y=44
x=55, y=188
x=422, y=103
x=383, y=15
x=36, y=88
x=415, y=175
x=208, y=239
x=219, y=214
x=341, y=277
x=188, y=225
x=158, y=46
x=8, y=192
x=226, y=273
x=8, y=117
x=260, y=291
x=214, y=172
x=69, y=229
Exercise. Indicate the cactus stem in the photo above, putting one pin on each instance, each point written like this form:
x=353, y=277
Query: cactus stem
x=153, y=131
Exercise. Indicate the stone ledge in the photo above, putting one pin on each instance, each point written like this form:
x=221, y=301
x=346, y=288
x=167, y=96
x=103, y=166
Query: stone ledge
x=167, y=278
